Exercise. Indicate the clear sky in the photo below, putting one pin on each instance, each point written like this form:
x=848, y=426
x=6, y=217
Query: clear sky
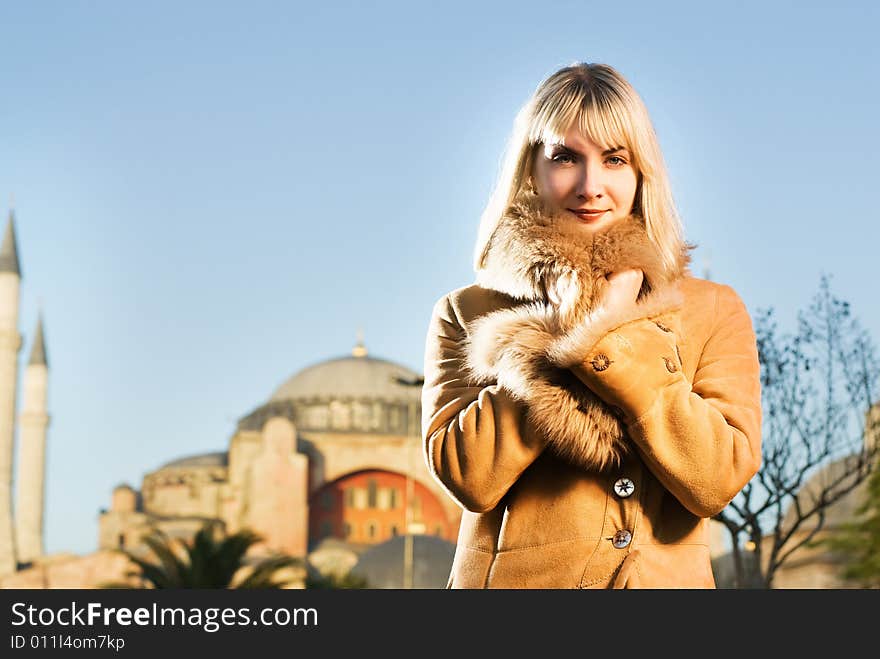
x=211, y=196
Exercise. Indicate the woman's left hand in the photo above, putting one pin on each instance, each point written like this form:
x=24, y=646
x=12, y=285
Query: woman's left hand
x=622, y=289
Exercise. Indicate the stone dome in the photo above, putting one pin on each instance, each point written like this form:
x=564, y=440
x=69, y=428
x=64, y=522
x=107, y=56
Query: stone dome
x=356, y=377
x=382, y=565
x=216, y=459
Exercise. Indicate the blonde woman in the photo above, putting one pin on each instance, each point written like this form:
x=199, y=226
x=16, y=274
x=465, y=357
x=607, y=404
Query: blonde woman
x=588, y=402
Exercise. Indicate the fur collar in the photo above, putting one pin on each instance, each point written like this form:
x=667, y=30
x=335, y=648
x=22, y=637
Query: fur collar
x=535, y=256
x=533, y=246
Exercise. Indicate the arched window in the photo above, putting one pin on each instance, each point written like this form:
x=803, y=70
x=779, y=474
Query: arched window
x=394, y=420
x=346, y=530
x=361, y=413
x=372, y=530
x=317, y=417
x=371, y=493
x=340, y=415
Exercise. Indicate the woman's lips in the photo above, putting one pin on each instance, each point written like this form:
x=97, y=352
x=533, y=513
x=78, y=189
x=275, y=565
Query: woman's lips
x=587, y=216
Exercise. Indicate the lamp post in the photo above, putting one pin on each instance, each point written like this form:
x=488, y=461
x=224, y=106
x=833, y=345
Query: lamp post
x=408, y=539
x=414, y=434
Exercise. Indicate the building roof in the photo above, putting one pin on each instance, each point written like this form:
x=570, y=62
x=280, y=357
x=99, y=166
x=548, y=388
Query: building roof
x=217, y=459
x=38, y=349
x=9, y=248
x=358, y=376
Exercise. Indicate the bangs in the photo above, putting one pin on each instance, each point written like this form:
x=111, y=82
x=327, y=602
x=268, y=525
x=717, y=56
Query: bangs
x=601, y=117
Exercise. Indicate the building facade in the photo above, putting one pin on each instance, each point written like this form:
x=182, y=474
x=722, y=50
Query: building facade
x=334, y=454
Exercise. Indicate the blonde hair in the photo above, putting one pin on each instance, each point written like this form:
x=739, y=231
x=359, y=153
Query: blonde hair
x=606, y=108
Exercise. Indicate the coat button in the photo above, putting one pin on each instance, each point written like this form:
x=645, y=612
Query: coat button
x=624, y=487
x=600, y=362
x=670, y=365
x=621, y=539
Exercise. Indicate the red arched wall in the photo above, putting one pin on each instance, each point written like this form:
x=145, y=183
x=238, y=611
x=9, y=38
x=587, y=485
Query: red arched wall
x=345, y=509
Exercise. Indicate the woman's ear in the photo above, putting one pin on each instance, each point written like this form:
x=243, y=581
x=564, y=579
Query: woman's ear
x=528, y=184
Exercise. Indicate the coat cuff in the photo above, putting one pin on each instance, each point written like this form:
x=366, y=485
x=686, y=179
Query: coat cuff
x=630, y=366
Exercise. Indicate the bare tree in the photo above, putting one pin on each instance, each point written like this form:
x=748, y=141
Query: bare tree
x=819, y=434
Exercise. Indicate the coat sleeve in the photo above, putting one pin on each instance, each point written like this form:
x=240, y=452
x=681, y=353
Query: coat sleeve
x=476, y=439
x=702, y=440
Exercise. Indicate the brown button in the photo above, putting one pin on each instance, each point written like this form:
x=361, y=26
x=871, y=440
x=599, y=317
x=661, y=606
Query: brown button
x=621, y=539
x=670, y=365
x=600, y=362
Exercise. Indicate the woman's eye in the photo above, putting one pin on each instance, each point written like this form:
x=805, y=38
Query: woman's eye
x=616, y=161
x=562, y=158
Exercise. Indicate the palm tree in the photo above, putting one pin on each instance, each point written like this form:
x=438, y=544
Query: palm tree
x=211, y=560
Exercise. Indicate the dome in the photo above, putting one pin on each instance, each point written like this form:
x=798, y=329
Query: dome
x=382, y=565
x=355, y=377
x=218, y=459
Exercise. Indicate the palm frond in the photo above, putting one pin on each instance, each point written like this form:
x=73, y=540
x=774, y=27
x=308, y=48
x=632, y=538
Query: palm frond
x=265, y=573
x=211, y=560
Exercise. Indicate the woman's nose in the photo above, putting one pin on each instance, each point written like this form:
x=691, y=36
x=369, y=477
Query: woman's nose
x=590, y=184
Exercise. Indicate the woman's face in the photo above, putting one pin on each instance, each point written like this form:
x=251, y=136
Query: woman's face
x=593, y=187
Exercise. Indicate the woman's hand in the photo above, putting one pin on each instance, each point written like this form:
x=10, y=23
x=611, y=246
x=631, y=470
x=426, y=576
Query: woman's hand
x=622, y=289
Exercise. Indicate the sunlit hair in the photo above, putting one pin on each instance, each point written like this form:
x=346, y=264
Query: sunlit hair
x=607, y=110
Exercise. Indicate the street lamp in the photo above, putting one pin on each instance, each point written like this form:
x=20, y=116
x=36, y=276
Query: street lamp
x=414, y=432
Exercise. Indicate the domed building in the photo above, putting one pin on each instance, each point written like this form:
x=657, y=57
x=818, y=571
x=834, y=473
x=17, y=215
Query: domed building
x=332, y=459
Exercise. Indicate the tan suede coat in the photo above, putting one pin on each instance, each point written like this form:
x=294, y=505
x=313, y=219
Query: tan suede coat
x=587, y=446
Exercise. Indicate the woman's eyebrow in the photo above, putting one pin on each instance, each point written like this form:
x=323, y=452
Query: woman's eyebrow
x=562, y=147
x=606, y=152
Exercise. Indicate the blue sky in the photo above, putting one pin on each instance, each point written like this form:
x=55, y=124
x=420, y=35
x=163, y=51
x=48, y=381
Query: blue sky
x=210, y=197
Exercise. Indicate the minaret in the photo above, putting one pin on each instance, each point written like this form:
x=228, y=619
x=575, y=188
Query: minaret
x=30, y=482
x=10, y=343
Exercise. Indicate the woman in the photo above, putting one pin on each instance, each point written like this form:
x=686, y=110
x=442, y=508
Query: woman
x=588, y=402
